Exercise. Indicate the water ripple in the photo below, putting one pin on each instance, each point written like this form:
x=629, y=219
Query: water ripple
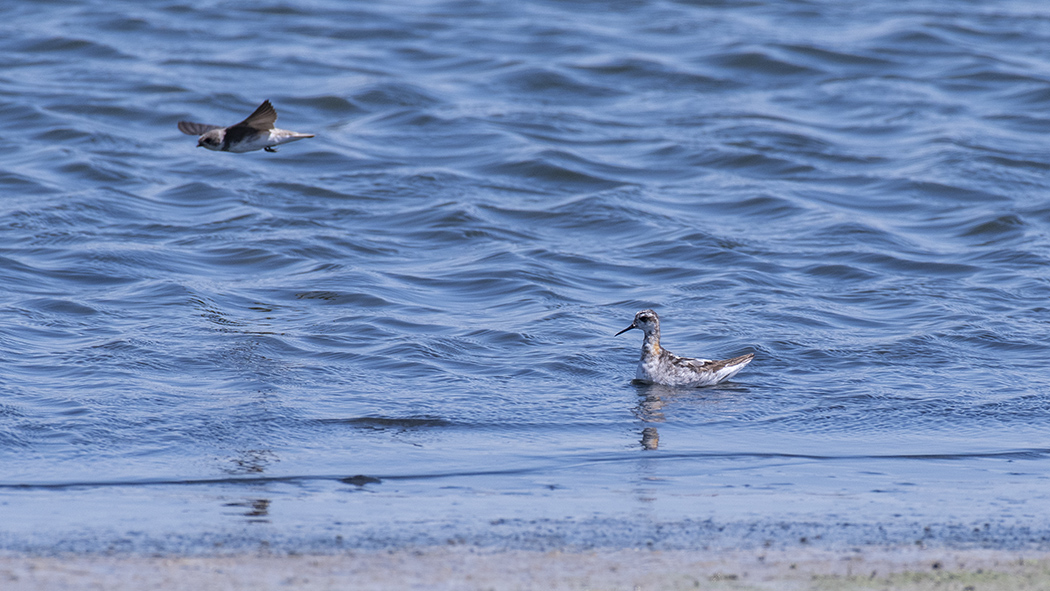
x=431, y=284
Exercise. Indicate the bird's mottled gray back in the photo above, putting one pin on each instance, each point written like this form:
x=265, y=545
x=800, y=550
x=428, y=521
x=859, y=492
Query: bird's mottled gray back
x=708, y=365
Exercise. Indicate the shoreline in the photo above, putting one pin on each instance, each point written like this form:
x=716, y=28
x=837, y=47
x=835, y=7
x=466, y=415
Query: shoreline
x=468, y=567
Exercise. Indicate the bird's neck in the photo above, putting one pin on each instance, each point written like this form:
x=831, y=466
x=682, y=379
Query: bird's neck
x=651, y=344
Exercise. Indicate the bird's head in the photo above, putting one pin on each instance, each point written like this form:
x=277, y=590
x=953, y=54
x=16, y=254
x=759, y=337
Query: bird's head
x=212, y=140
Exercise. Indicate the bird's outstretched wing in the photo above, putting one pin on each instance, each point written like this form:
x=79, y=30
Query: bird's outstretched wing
x=191, y=128
x=262, y=119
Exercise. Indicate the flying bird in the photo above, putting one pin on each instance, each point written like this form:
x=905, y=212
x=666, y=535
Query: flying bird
x=254, y=133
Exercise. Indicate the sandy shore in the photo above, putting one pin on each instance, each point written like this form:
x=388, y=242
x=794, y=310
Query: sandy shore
x=464, y=568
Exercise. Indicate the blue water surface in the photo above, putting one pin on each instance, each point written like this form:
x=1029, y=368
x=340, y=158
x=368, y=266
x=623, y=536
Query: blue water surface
x=400, y=331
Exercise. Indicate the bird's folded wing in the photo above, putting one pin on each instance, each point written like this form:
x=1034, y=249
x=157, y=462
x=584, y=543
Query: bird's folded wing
x=191, y=128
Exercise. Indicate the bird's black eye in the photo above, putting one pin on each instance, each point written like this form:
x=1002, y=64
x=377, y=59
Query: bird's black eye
x=645, y=318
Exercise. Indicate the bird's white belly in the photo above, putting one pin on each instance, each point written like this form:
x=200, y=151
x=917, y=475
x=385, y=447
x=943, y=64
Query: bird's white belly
x=275, y=137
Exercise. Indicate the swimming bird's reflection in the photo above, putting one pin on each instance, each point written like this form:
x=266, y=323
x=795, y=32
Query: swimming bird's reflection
x=650, y=406
x=251, y=462
x=650, y=438
x=650, y=410
x=256, y=510
x=652, y=398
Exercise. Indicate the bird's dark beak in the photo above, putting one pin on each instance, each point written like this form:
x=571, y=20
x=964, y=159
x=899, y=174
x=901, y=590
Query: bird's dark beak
x=200, y=145
x=625, y=330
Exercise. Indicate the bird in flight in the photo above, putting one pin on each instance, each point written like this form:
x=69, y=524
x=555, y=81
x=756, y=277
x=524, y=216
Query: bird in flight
x=254, y=133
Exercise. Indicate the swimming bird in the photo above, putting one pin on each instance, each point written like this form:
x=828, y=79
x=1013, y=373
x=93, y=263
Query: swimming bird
x=660, y=366
x=254, y=133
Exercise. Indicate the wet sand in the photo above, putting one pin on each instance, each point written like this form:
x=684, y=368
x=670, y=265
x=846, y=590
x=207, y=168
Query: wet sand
x=469, y=568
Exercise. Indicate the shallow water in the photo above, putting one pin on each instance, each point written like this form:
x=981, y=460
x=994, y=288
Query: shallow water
x=400, y=331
